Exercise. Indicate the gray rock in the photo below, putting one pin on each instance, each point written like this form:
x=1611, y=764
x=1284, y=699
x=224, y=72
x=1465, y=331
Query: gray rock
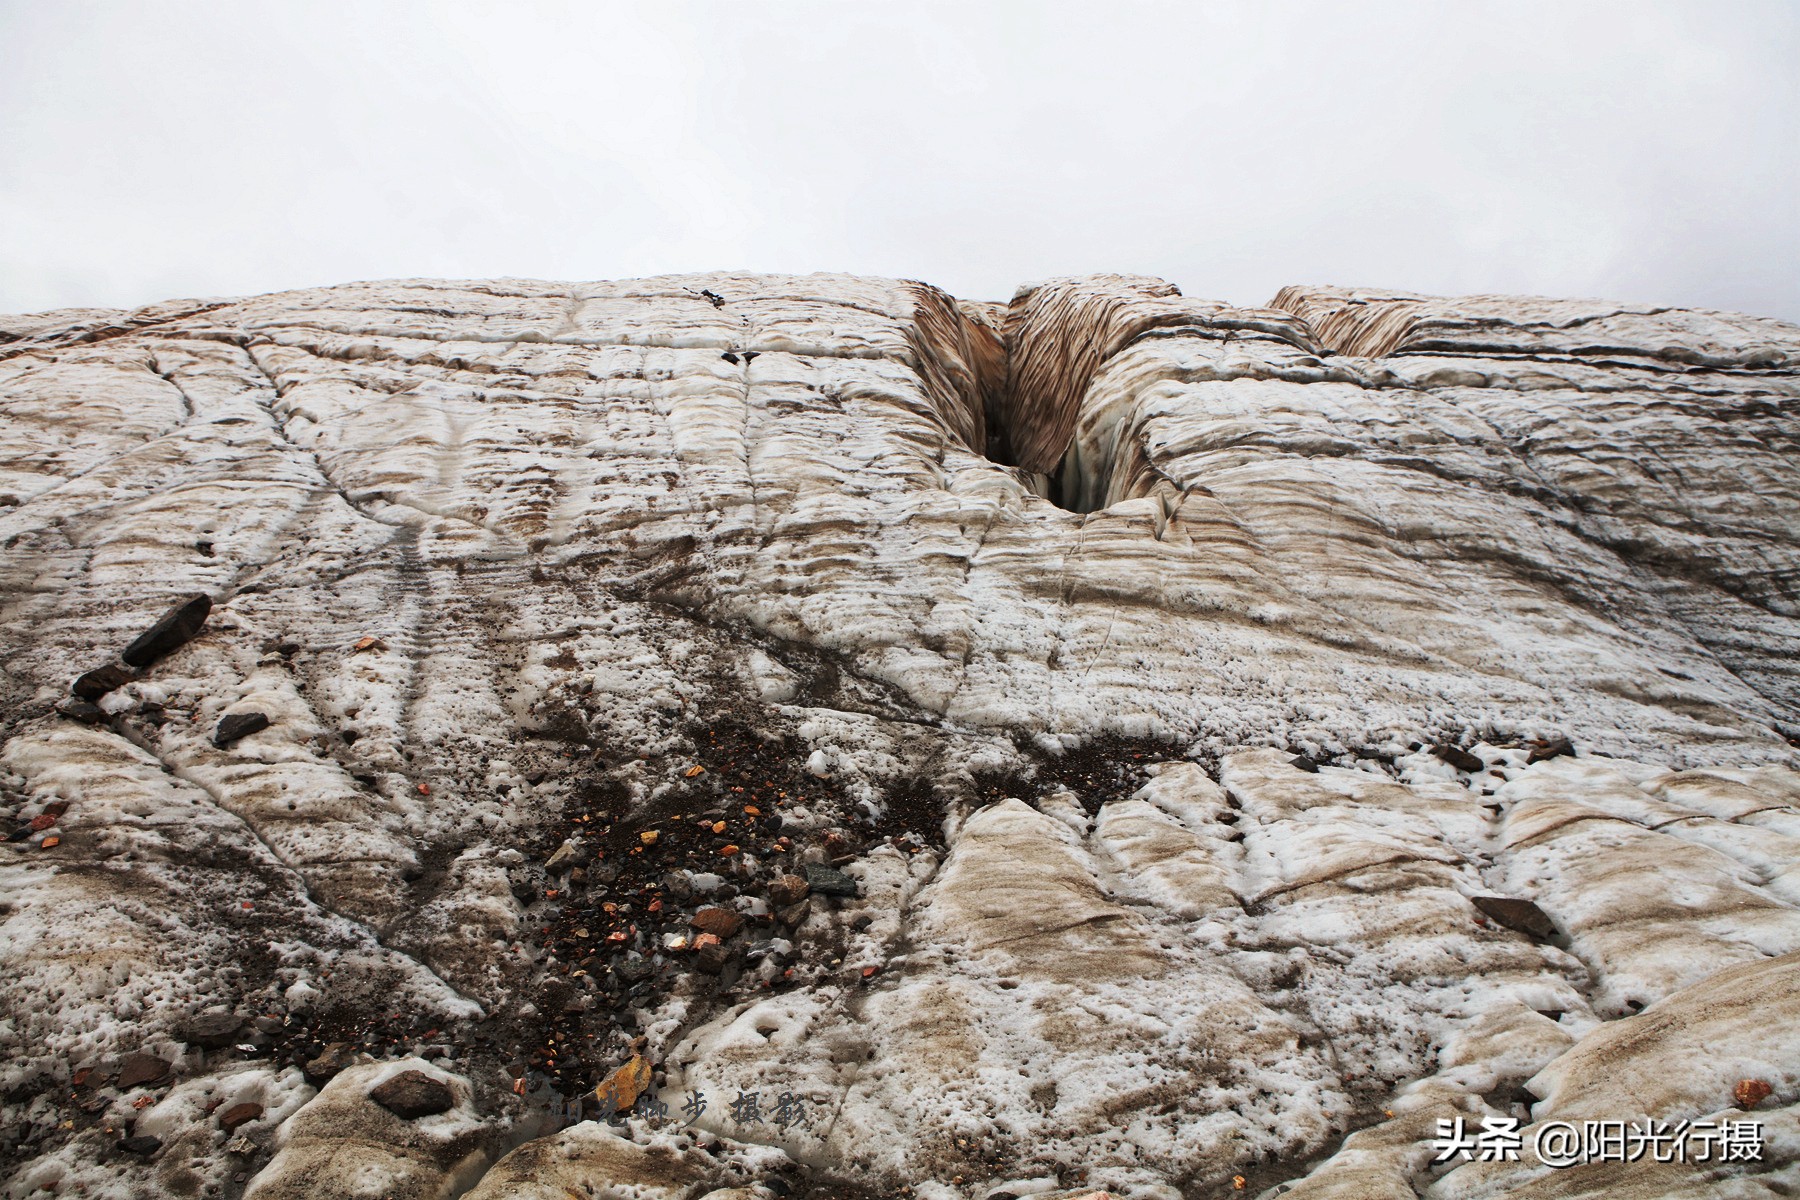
x=238, y=726
x=85, y=711
x=173, y=630
x=828, y=881
x=212, y=1031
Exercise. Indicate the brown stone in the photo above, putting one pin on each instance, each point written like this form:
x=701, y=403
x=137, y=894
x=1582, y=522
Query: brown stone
x=140, y=1069
x=240, y=1114
x=1555, y=747
x=101, y=680
x=720, y=922
x=413, y=1094
x=711, y=958
x=1459, y=758
x=328, y=1062
x=1522, y=915
x=788, y=890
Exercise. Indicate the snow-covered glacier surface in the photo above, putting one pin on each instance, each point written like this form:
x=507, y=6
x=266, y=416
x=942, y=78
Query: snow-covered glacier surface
x=898, y=746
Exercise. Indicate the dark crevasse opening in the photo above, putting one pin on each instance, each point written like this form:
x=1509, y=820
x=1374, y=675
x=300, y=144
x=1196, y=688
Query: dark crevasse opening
x=1010, y=379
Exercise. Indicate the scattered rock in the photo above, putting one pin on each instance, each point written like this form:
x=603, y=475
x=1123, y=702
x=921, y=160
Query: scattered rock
x=173, y=630
x=1459, y=758
x=328, y=1062
x=85, y=711
x=720, y=922
x=239, y=725
x=140, y=1069
x=241, y=1146
x=623, y=1087
x=829, y=882
x=240, y=1114
x=1304, y=763
x=788, y=890
x=793, y=914
x=142, y=1145
x=710, y=955
x=1555, y=747
x=1520, y=915
x=729, y=357
x=1751, y=1092
x=413, y=1094
x=101, y=680
x=212, y=1031
x=862, y=922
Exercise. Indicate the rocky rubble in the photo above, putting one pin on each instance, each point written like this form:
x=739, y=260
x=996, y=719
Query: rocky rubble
x=890, y=745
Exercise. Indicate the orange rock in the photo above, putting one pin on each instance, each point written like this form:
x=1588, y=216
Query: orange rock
x=623, y=1087
x=693, y=771
x=50, y=843
x=1751, y=1092
x=728, y=851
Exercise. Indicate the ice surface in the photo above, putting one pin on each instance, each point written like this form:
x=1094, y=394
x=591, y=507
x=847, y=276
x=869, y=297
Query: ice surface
x=1102, y=637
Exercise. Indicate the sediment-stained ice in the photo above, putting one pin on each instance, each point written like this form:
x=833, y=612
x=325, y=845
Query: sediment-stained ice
x=1056, y=746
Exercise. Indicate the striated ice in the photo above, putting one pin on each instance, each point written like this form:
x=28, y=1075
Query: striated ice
x=1110, y=632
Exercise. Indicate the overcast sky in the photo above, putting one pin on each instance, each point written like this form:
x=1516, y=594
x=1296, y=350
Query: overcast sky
x=1640, y=151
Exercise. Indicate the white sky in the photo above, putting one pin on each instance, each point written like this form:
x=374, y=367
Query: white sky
x=1641, y=151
